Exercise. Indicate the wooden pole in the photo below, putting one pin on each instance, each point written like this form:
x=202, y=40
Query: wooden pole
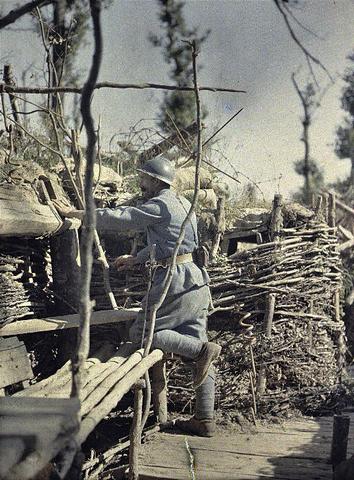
x=326, y=207
x=339, y=439
x=135, y=432
x=267, y=330
x=159, y=391
x=220, y=226
x=318, y=207
x=276, y=222
x=65, y=255
x=340, y=341
x=344, y=207
x=332, y=209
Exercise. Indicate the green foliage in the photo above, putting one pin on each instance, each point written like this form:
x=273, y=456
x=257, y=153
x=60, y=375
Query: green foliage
x=316, y=180
x=178, y=105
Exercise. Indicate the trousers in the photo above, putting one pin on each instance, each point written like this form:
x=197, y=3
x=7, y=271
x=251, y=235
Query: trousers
x=180, y=328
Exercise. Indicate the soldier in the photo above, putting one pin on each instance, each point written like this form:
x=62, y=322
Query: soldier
x=181, y=320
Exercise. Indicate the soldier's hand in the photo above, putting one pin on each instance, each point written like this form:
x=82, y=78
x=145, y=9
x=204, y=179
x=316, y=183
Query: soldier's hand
x=124, y=262
x=65, y=210
x=63, y=207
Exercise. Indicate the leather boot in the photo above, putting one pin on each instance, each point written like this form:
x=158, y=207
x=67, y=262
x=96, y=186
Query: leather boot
x=194, y=426
x=209, y=353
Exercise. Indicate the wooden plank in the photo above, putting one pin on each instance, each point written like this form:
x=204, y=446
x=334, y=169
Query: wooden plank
x=257, y=444
x=100, y=317
x=15, y=366
x=17, y=406
x=147, y=472
x=237, y=456
x=234, y=467
x=8, y=343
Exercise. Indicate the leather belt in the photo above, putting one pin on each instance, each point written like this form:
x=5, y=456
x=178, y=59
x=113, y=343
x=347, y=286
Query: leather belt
x=165, y=262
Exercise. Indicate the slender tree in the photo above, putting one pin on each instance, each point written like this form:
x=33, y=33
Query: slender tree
x=307, y=166
x=177, y=109
x=344, y=146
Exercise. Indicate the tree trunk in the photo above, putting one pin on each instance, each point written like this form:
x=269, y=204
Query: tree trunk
x=59, y=48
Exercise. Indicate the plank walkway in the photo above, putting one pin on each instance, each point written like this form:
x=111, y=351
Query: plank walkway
x=296, y=450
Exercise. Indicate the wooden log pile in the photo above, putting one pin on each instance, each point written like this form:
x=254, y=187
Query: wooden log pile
x=302, y=356
x=23, y=278
x=108, y=376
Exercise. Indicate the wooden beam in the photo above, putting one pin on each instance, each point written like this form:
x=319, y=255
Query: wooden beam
x=344, y=207
x=22, y=327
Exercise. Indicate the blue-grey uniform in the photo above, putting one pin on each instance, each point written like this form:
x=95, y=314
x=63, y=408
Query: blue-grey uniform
x=181, y=320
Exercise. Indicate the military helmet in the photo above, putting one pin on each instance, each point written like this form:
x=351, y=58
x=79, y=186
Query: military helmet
x=159, y=167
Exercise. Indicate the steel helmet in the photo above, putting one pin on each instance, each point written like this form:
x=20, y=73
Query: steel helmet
x=159, y=167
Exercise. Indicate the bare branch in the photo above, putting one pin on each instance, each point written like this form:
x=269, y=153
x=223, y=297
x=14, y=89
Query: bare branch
x=309, y=57
x=13, y=15
x=89, y=219
x=136, y=86
x=296, y=20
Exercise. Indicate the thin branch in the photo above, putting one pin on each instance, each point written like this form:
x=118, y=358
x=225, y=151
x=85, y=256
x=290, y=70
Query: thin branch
x=296, y=20
x=13, y=15
x=51, y=71
x=87, y=237
x=309, y=57
x=99, y=156
x=222, y=126
x=178, y=131
x=137, y=86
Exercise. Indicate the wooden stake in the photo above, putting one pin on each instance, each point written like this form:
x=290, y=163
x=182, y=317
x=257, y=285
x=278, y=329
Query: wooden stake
x=135, y=432
x=339, y=439
x=276, y=222
x=340, y=340
x=326, y=207
x=332, y=210
x=267, y=329
x=159, y=391
x=220, y=226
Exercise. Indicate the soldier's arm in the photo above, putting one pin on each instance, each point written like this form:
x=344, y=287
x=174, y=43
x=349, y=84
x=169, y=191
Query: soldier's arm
x=129, y=218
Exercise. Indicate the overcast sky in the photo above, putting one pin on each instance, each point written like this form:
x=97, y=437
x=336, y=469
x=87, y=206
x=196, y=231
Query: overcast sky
x=250, y=48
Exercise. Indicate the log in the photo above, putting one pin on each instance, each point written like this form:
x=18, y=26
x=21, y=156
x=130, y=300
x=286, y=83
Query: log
x=113, y=397
x=100, y=317
x=135, y=432
x=63, y=375
x=159, y=391
x=114, y=376
x=276, y=222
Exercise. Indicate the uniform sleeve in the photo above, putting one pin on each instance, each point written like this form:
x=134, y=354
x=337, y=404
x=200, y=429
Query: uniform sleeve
x=143, y=255
x=129, y=218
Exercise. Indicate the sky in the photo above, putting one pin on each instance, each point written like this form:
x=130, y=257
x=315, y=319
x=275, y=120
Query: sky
x=250, y=48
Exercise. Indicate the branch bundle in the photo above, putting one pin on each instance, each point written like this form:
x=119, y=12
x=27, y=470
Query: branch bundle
x=23, y=278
